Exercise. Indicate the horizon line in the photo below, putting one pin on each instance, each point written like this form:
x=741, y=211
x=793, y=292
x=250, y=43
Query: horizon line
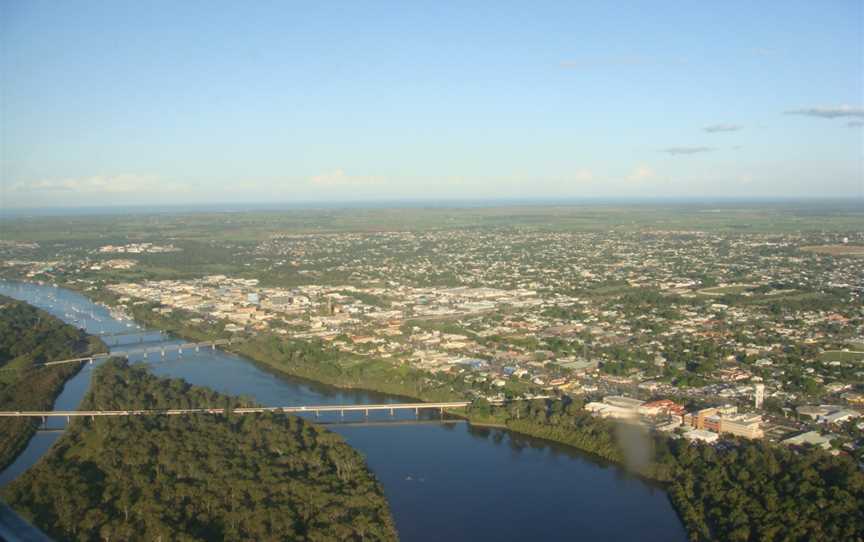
x=397, y=203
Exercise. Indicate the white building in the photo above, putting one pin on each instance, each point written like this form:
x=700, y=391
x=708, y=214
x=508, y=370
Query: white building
x=605, y=410
x=814, y=438
x=701, y=435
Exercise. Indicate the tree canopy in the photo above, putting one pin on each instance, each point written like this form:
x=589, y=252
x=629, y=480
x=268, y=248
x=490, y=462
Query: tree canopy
x=197, y=477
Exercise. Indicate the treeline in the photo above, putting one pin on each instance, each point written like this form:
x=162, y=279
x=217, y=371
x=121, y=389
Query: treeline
x=757, y=491
x=737, y=491
x=29, y=336
x=309, y=359
x=197, y=477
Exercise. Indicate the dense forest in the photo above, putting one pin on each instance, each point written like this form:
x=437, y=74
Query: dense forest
x=198, y=477
x=738, y=490
x=29, y=336
x=758, y=491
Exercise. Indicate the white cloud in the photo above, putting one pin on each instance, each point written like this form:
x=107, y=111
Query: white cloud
x=686, y=150
x=583, y=175
x=829, y=112
x=746, y=178
x=642, y=173
x=126, y=183
x=714, y=128
x=338, y=177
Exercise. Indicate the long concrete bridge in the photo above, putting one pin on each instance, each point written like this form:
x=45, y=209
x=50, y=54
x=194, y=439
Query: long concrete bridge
x=164, y=348
x=315, y=409
x=161, y=349
x=140, y=332
x=132, y=337
x=88, y=359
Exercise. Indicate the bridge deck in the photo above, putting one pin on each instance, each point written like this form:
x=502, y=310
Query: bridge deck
x=241, y=410
x=135, y=350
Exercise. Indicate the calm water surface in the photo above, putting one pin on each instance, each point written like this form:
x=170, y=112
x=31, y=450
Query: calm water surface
x=444, y=481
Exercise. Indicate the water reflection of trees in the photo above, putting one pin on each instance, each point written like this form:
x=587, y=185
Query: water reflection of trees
x=553, y=451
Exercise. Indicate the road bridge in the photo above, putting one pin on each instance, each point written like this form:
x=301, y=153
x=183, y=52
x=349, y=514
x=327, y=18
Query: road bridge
x=131, y=337
x=161, y=349
x=88, y=359
x=130, y=333
x=314, y=409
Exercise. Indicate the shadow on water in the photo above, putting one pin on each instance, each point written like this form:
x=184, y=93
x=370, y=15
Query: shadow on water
x=519, y=443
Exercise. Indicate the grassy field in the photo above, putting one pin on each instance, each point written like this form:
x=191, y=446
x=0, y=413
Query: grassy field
x=724, y=290
x=839, y=355
x=835, y=250
x=609, y=290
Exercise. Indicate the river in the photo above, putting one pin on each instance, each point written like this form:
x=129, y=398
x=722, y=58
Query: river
x=444, y=481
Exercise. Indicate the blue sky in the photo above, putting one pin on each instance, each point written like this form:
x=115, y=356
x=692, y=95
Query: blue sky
x=112, y=103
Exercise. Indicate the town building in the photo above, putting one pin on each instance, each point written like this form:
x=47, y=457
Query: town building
x=813, y=438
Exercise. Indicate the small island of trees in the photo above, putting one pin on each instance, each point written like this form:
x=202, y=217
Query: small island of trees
x=197, y=477
x=29, y=337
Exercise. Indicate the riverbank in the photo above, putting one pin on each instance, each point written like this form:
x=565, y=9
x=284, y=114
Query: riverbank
x=302, y=359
